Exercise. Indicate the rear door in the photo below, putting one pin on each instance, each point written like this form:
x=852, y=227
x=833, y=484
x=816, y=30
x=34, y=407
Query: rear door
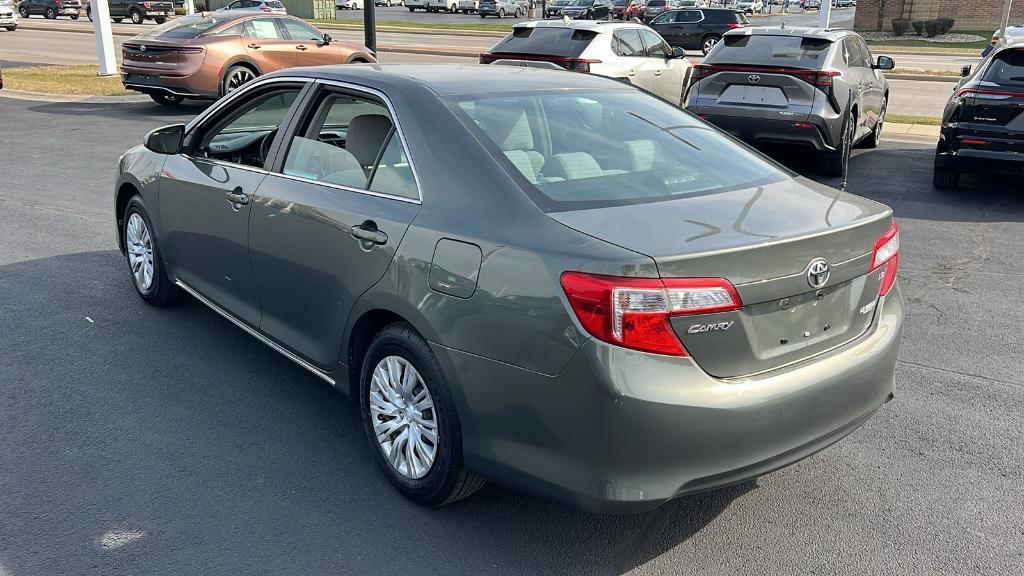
x=327, y=221
x=266, y=44
x=995, y=111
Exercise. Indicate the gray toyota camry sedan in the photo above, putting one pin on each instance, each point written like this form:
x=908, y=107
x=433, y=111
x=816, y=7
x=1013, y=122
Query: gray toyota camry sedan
x=546, y=279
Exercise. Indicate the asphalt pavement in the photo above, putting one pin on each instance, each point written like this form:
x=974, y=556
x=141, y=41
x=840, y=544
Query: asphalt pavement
x=153, y=441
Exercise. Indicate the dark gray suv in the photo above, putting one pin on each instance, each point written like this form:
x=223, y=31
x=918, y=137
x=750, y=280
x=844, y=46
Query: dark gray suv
x=598, y=298
x=816, y=89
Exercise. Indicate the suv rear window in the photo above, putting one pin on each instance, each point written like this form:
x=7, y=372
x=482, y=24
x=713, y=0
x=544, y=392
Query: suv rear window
x=582, y=150
x=561, y=42
x=767, y=50
x=1007, y=68
x=722, y=17
x=653, y=3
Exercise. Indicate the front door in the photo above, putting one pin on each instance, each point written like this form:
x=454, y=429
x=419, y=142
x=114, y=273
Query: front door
x=327, y=221
x=309, y=44
x=666, y=71
x=266, y=44
x=206, y=199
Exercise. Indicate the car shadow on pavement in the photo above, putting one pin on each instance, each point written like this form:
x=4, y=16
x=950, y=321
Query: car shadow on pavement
x=167, y=441
x=160, y=115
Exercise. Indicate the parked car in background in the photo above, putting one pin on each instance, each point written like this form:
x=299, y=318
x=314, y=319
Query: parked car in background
x=626, y=51
x=427, y=5
x=137, y=11
x=983, y=122
x=585, y=305
x=811, y=5
x=209, y=55
x=697, y=28
x=500, y=8
x=655, y=8
x=750, y=6
x=588, y=10
x=619, y=8
x=50, y=9
x=553, y=8
x=468, y=6
x=8, y=16
x=388, y=3
x=843, y=3
x=636, y=10
x=273, y=6
x=349, y=4
x=1012, y=34
x=803, y=87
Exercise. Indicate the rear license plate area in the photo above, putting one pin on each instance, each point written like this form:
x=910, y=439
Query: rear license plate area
x=754, y=96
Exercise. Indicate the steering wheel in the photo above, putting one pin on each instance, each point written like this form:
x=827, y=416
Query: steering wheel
x=265, y=145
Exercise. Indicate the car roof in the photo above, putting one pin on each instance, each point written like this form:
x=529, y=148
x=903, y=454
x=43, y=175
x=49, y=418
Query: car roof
x=598, y=26
x=454, y=79
x=800, y=31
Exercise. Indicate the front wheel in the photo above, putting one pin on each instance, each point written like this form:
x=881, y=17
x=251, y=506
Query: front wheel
x=135, y=16
x=501, y=12
x=23, y=12
x=74, y=16
x=143, y=255
x=709, y=43
x=50, y=14
x=412, y=9
x=117, y=20
x=167, y=99
x=410, y=419
x=453, y=9
x=517, y=13
x=159, y=19
x=876, y=133
x=12, y=28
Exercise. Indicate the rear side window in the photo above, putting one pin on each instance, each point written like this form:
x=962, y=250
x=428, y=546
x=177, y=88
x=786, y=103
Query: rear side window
x=721, y=17
x=265, y=28
x=561, y=42
x=766, y=50
x=586, y=150
x=1006, y=69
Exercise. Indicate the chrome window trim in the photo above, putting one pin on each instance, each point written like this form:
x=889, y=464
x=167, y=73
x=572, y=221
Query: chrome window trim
x=224, y=101
x=226, y=164
x=346, y=188
x=255, y=334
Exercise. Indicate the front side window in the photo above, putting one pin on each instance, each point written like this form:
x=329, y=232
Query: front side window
x=656, y=46
x=587, y=150
x=301, y=31
x=243, y=136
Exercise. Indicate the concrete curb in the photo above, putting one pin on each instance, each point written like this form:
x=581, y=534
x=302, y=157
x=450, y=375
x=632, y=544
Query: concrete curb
x=922, y=77
x=919, y=131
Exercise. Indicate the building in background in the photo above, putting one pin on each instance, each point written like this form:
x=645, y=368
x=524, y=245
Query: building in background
x=975, y=15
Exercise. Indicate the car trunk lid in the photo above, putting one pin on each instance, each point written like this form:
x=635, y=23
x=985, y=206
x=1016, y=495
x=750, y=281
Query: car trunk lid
x=763, y=240
x=993, y=118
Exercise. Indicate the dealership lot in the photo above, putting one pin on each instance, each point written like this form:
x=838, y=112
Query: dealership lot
x=146, y=441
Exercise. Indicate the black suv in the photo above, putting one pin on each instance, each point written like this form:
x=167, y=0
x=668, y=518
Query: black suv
x=697, y=28
x=137, y=11
x=983, y=124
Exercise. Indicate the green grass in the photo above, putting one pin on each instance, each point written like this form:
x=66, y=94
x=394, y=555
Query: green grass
x=921, y=72
x=912, y=41
x=439, y=26
x=908, y=119
x=63, y=80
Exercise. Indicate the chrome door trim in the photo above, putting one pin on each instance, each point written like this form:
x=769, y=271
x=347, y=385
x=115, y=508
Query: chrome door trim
x=252, y=332
x=225, y=100
x=346, y=188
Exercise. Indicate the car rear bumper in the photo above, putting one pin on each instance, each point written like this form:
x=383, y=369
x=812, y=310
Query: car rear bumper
x=8, y=20
x=163, y=84
x=766, y=134
x=976, y=160
x=624, y=431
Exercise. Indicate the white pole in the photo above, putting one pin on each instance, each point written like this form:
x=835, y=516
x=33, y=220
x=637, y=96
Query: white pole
x=824, y=14
x=190, y=7
x=104, y=38
x=1006, y=18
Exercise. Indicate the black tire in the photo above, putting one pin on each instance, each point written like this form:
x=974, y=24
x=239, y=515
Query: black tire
x=162, y=292
x=516, y=14
x=709, y=42
x=12, y=28
x=159, y=19
x=876, y=133
x=453, y=9
x=167, y=99
x=501, y=12
x=412, y=9
x=50, y=14
x=73, y=16
x=483, y=15
x=88, y=14
x=447, y=479
x=22, y=11
x=946, y=179
x=834, y=163
x=225, y=81
x=135, y=16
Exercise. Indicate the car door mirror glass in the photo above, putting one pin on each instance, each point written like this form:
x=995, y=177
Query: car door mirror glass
x=327, y=39
x=165, y=140
x=885, y=63
x=678, y=52
x=965, y=71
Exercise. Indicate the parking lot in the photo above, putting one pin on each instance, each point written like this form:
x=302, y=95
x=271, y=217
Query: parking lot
x=166, y=441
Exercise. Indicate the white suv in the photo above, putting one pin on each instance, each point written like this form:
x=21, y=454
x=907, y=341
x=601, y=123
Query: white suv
x=626, y=51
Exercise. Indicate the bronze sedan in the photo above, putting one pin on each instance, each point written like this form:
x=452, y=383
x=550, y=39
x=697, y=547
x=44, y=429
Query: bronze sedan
x=209, y=55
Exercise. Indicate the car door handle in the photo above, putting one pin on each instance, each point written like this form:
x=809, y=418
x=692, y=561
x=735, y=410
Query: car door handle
x=237, y=197
x=301, y=47
x=367, y=232
x=630, y=72
x=657, y=72
x=253, y=46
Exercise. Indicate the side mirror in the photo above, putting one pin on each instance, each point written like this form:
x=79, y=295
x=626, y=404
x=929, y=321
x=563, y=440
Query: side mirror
x=165, y=140
x=965, y=71
x=327, y=39
x=678, y=52
x=885, y=63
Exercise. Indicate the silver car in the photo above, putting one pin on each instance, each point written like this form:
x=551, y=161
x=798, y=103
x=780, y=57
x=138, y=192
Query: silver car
x=815, y=89
x=271, y=6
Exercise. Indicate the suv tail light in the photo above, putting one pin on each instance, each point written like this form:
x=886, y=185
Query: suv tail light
x=265, y=9
x=977, y=92
x=821, y=79
x=887, y=253
x=634, y=312
x=148, y=5
x=734, y=25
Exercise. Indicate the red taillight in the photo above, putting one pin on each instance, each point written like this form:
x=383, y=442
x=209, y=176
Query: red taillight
x=265, y=9
x=58, y=2
x=887, y=253
x=486, y=58
x=802, y=125
x=977, y=92
x=974, y=141
x=580, y=64
x=148, y=5
x=734, y=25
x=821, y=79
x=634, y=312
x=191, y=50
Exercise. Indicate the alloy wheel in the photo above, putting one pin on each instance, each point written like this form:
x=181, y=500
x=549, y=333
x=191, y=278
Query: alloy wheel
x=709, y=43
x=403, y=416
x=238, y=77
x=139, y=245
x=881, y=122
x=23, y=12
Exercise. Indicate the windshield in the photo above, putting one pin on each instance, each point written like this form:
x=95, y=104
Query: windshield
x=581, y=2
x=592, y=149
x=184, y=27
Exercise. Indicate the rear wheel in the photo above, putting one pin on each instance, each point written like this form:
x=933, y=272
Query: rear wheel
x=835, y=163
x=517, y=13
x=709, y=42
x=453, y=9
x=234, y=78
x=23, y=12
x=410, y=419
x=501, y=12
x=412, y=9
x=73, y=16
x=135, y=16
x=117, y=20
x=143, y=256
x=167, y=99
x=50, y=14
x=946, y=179
x=159, y=19
x=12, y=28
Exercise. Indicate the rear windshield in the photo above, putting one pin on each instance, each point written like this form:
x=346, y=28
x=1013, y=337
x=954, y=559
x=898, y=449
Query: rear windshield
x=561, y=42
x=1007, y=68
x=765, y=50
x=656, y=3
x=718, y=16
x=583, y=150
x=274, y=4
x=184, y=27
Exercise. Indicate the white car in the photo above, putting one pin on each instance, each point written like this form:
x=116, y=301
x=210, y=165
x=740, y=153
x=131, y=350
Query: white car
x=8, y=16
x=627, y=51
x=349, y=4
x=272, y=6
x=468, y=6
x=750, y=6
x=387, y=2
x=429, y=5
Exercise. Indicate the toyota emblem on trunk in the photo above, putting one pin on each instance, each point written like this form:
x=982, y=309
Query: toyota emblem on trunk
x=754, y=78
x=817, y=272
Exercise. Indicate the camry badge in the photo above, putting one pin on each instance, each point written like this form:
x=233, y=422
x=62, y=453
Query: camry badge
x=716, y=327
x=817, y=272
x=754, y=78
